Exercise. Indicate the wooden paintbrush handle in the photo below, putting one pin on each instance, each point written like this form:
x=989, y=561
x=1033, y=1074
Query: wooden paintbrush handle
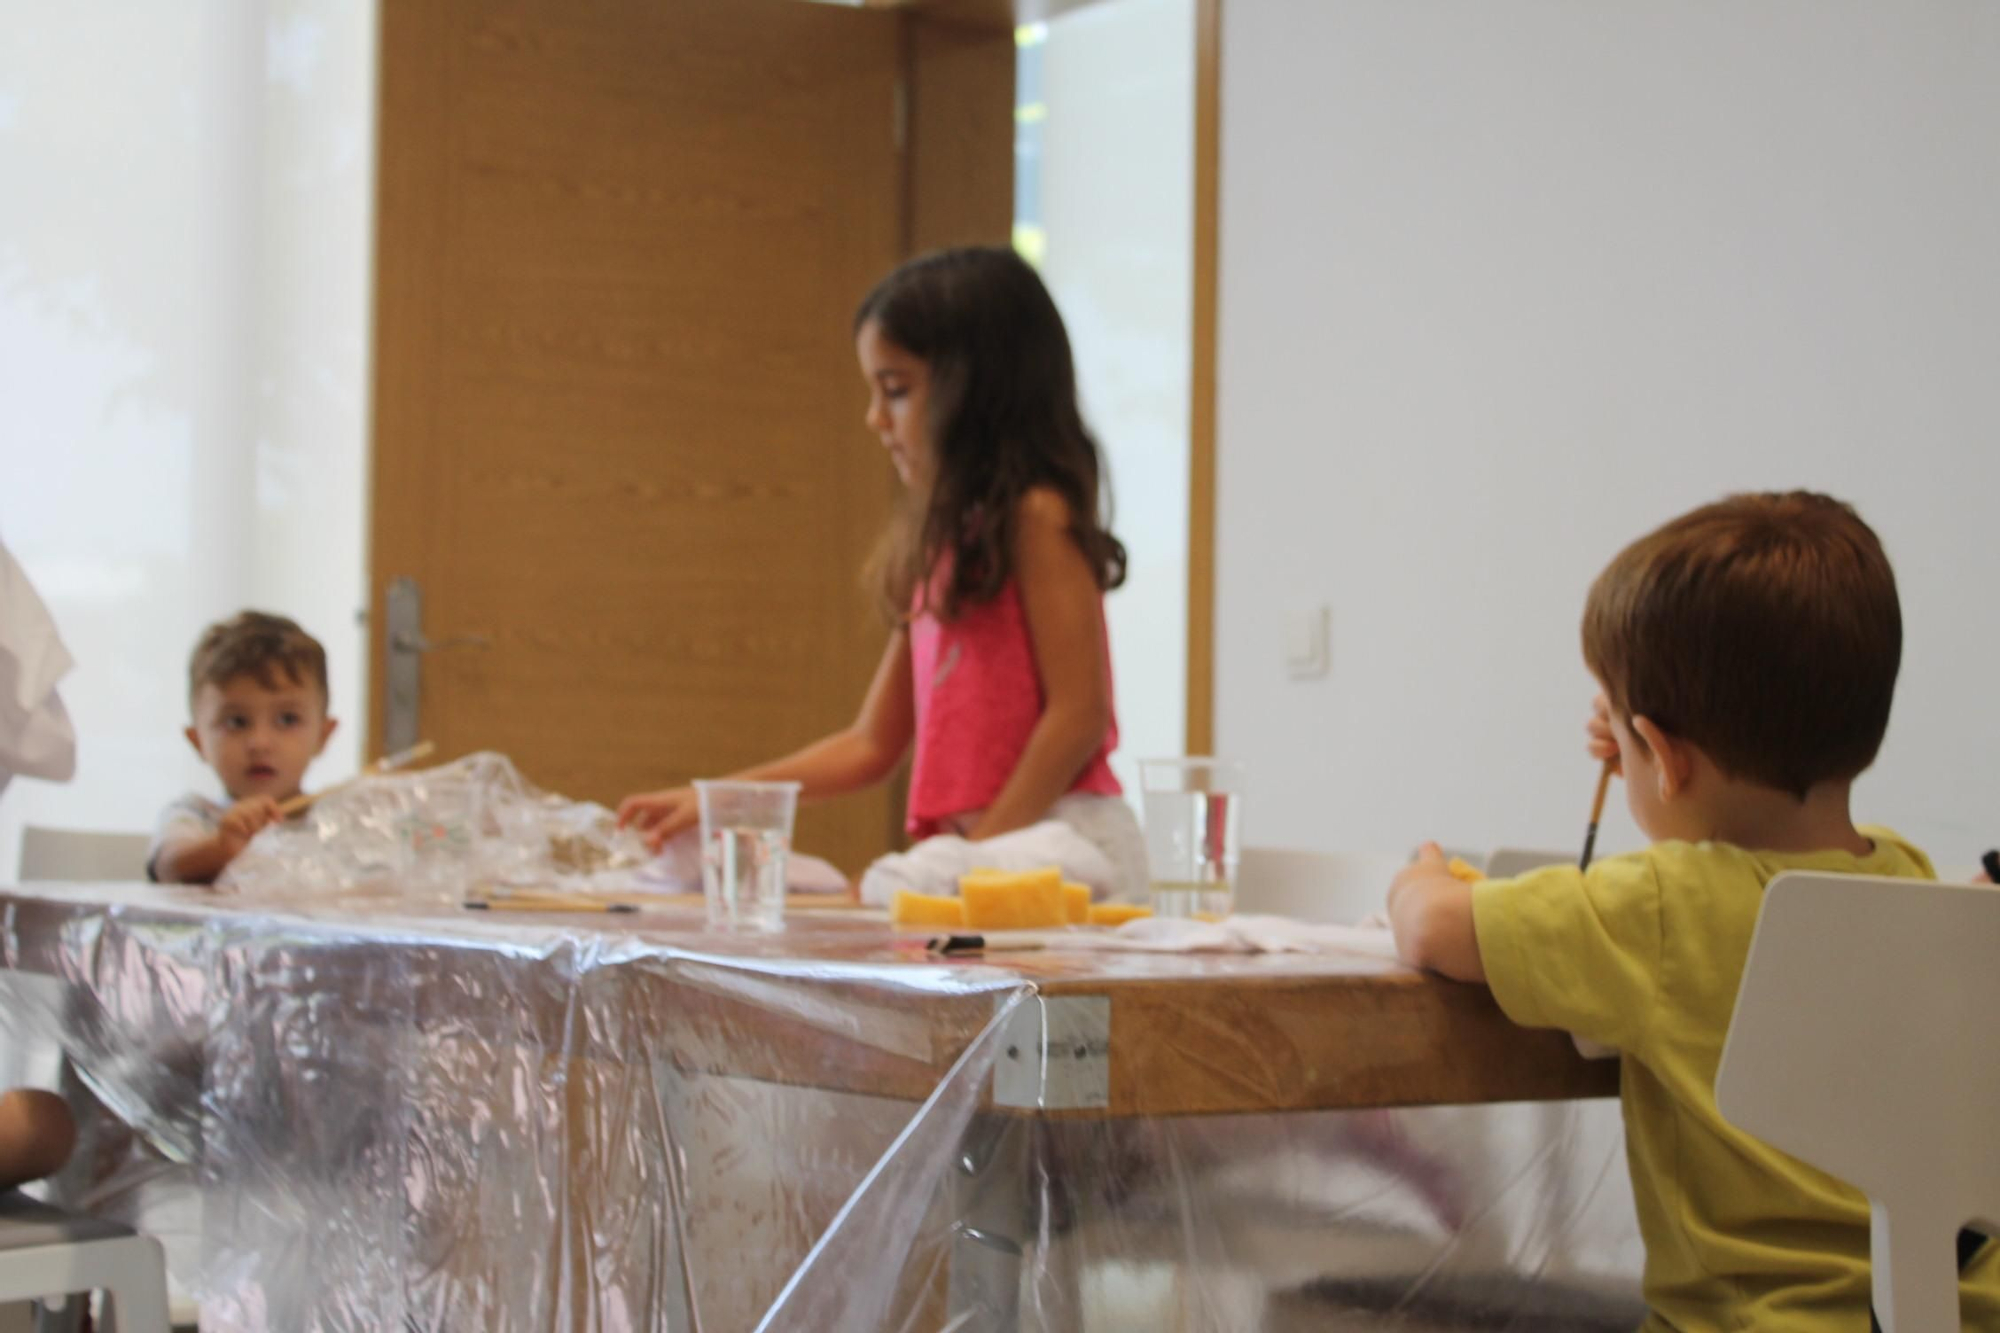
x=1596, y=815
x=388, y=763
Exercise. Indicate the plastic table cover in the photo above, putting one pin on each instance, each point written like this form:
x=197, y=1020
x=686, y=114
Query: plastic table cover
x=368, y=1114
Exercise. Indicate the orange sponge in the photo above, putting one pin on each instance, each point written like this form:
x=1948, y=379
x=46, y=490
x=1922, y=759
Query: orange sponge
x=1076, y=902
x=1013, y=900
x=1116, y=914
x=923, y=909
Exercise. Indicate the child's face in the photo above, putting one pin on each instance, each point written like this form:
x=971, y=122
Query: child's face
x=259, y=739
x=898, y=404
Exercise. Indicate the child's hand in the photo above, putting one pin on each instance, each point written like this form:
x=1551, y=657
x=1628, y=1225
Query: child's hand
x=1430, y=911
x=1603, y=745
x=660, y=815
x=244, y=821
x=1428, y=863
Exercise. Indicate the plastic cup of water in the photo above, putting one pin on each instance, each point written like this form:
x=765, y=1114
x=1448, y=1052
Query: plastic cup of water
x=1194, y=817
x=746, y=838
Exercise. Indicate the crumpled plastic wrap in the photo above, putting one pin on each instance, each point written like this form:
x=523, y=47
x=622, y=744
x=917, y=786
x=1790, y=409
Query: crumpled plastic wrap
x=401, y=1117
x=433, y=833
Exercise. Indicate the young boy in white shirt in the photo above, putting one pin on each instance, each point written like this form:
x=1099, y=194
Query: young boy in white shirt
x=257, y=690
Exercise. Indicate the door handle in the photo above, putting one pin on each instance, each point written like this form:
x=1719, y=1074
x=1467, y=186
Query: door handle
x=406, y=645
x=413, y=641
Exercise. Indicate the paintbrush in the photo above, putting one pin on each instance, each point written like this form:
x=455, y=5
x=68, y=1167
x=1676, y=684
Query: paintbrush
x=388, y=763
x=1596, y=814
x=532, y=901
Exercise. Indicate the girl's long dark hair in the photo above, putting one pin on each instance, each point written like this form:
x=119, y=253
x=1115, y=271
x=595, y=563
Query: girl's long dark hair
x=1004, y=420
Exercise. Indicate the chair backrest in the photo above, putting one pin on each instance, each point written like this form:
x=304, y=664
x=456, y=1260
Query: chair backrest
x=1507, y=862
x=1338, y=888
x=1866, y=1041
x=79, y=855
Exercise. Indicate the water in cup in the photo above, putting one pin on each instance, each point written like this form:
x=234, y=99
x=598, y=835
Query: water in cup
x=1193, y=816
x=743, y=877
x=746, y=839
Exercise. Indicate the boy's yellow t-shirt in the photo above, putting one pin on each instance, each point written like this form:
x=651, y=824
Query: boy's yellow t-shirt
x=1645, y=953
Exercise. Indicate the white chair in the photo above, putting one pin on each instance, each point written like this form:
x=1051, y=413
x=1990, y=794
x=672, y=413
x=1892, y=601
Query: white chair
x=1507, y=862
x=1333, y=887
x=79, y=856
x=1865, y=1042
x=45, y=1252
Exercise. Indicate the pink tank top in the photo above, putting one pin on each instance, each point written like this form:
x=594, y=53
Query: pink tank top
x=978, y=697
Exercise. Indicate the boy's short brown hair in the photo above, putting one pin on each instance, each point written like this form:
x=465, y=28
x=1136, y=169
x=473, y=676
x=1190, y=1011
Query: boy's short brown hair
x=257, y=644
x=1764, y=629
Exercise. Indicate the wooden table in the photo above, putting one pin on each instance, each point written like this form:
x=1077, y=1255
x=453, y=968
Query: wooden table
x=1190, y=1034
x=841, y=1002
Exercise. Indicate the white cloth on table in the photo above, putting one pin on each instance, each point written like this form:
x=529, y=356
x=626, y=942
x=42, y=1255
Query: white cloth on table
x=1091, y=839
x=1239, y=934
x=1094, y=840
x=36, y=737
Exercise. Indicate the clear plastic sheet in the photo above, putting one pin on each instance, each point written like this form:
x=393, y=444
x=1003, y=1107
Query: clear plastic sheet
x=434, y=832
x=401, y=1116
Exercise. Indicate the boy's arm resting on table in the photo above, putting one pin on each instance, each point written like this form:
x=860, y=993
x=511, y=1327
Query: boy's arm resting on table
x=1064, y=610
x=1558, y=947
x=1430, y=913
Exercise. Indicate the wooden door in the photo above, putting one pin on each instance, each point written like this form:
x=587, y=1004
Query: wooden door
x=617, y=417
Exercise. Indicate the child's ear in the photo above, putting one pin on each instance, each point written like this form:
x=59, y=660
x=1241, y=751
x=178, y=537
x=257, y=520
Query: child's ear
x=326, y=730
x=1673, y=758
x=194, y=739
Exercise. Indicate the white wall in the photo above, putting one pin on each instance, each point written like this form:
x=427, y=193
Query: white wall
x=184, y=240
x=1504, y=285
x=1117, y=206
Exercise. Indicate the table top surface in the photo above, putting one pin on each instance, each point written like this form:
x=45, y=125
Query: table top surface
x=1190, y=1033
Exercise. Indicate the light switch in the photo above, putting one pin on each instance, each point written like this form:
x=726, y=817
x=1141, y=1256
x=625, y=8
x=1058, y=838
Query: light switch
x=1309, y=644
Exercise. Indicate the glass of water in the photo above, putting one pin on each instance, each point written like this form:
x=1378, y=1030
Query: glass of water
x=1193, y=824
x=746, y=836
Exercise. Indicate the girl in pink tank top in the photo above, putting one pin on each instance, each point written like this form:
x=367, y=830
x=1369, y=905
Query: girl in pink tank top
x=997, y=675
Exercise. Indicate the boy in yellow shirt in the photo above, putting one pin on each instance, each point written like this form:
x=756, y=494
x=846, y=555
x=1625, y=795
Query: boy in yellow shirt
x=1747, y=654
